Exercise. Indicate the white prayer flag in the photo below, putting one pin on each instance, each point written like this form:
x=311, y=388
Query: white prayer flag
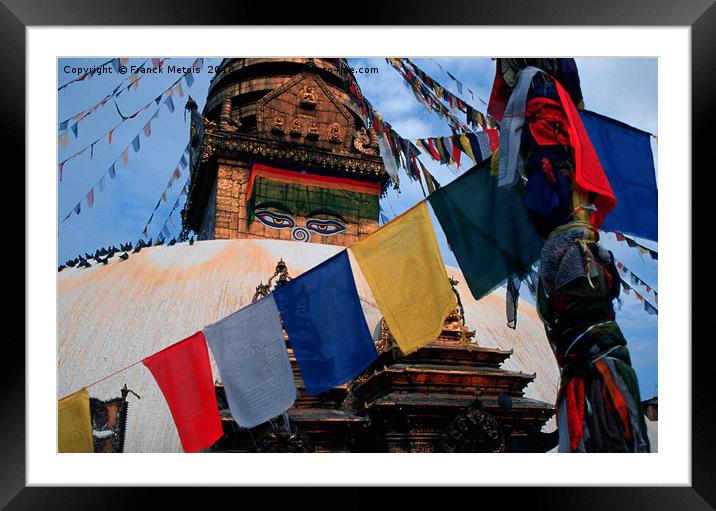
x=251, y=355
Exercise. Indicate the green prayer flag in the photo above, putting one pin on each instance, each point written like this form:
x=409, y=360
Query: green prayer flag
x=487, y=227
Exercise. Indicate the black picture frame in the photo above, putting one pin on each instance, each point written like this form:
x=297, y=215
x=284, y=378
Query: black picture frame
x=700, y=15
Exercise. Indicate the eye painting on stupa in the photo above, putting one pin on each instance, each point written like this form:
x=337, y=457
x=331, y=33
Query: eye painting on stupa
x=384, y=255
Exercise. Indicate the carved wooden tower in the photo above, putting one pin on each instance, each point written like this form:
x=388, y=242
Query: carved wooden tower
x=281, y=152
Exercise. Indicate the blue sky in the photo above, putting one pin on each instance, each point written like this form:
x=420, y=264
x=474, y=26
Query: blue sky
x=622, y=88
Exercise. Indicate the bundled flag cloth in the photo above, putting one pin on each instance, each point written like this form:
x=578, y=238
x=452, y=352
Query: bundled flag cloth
x=74, y=426
x=250, y=351
x=326, y=327
x=625, y=153
x=402, y=265
x=487, y=228
x=183, y=374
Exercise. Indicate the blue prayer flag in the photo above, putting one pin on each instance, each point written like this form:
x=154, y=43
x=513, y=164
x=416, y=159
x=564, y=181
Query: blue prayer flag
x=135, y=144
x=170, y=103
x=625, y=154
x=326, y=328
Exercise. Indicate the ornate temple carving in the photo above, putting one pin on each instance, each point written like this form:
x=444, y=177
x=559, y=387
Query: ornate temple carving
x=313, y=132
x=213, y=142
x=308, y=96
x=336, y=132
x=362, y=142
x=296, y=128
x=474, y=431
x=278, y=125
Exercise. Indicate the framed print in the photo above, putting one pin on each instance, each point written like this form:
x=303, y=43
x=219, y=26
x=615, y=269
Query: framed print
x=292, y=255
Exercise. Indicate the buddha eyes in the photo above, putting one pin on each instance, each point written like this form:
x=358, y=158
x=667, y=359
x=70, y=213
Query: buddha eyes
x=325, y=227
x=274, y=219
x=278, y=220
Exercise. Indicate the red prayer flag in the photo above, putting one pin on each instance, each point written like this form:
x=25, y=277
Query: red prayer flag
x=499, y=96
x=589, y=174
x=455, y=150
x=183, y=374
x=493, y=137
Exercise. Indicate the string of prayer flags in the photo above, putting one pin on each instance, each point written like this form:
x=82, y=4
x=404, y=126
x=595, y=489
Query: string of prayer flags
x=326, y=327
x=446, y=150
x=91, y=72
x=74, y=425
x=135, y=143
x=426, y=97
x=626, y=156
x=635, y=280
x=165, y=230
x=251, y=355
x=487, y=227
x=183, y=374
x=647, y=306
x=115, y=93
x=633, y=244
x=402, y=265
x=111, y=172
x=393, y=143
x=474, y=117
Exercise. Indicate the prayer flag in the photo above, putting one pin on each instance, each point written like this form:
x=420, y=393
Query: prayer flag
x=78, y=208
x=183, y=161
x=465, y=144
x=170, y=103
x=63, y=140
x=326, y=327
x=74, y=129
x=74, y=426
x=250, y=351
x=183, y=374
x=125, y=158
x=148, y=128
x=625, y=154
x=402, y=265
x=391, y=166
x=90, y=198
x=487, y=227
x=135, y=144
x=189, y=79
x=112, y=172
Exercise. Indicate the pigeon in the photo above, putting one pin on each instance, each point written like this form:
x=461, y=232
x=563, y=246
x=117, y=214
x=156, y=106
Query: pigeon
x=103, y=261
x=60, y=268
x=172, y=242
x=124, y=256
x=191, y=240
x=84, y=264
x=71, y=263
x=159, y=242
x=137, y=249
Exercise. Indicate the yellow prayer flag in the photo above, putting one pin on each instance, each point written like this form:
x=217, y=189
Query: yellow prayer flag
x=465, y=143
x=74, y=426
x=402, y=265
